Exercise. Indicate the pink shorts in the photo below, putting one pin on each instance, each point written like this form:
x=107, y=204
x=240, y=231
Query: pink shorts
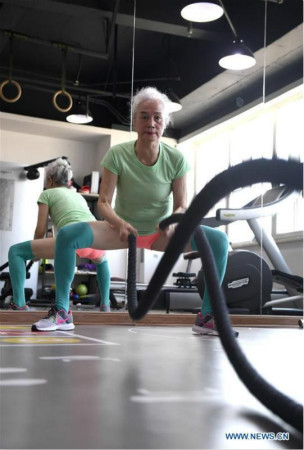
x=90, y=253
x=142, y=242
x=147, y=241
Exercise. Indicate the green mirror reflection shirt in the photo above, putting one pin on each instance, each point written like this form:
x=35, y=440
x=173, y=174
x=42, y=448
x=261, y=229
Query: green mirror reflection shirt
x=66, y=206
x=144, y=193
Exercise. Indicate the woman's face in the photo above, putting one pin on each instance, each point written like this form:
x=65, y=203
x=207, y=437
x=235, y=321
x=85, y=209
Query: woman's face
x=149, y=121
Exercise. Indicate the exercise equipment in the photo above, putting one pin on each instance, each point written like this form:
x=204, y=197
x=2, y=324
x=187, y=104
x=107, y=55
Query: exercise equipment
x=275, y=171
x=7, y=290
x=241, y=263
x=45, y=296
x=242, y=284
x=81, y=289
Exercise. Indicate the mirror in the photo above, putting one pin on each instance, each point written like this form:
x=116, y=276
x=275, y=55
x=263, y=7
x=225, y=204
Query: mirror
x=102, y=68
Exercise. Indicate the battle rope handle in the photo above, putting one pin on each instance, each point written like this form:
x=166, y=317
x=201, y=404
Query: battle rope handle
x=244, y=174
x=10, y=79
x=62, y=91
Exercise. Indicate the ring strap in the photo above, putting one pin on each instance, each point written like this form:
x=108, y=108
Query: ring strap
x=63, y=91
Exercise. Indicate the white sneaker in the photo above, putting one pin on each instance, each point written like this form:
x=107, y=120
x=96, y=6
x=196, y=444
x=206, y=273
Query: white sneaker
x=55, y=320
x=105, y=308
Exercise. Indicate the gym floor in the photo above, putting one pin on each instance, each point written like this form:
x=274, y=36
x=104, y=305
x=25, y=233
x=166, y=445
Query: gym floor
x=143, y=387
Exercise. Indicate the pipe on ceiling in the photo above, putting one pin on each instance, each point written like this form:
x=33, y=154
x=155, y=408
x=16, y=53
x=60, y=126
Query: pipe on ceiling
x=68, y=47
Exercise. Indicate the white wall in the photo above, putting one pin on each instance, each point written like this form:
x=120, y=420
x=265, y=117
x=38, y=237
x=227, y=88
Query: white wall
x=24, y=214
x=26, y=149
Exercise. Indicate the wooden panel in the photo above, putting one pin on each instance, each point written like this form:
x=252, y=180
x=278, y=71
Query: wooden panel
x=122, y=318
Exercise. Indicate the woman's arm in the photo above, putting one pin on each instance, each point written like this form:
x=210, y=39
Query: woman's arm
x=43, y=214
x=107, y=188
x=179, y=189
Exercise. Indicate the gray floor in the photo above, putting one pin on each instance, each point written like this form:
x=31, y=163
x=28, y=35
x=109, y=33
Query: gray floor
x=116, y=387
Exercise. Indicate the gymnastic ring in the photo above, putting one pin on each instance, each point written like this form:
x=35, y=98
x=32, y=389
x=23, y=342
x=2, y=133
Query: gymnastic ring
x=62, y=92
x=19, y=91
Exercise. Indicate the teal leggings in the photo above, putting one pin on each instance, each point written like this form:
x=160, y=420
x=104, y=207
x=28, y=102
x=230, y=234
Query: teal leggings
x=219, y=245
x=103, y=280
x=69, y=239
x=80, y=235
x=18, y=255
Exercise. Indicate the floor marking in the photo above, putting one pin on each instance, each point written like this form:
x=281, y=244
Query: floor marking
x=48, y=345
x=40, y=340
x=142, y=330
x=16, y=333
x=78, y=358
x=145, y=396
x=23, y=382
x=14, y=327
x=26, y=329
x=12, y=369
x=59, y=337
x=90, y=338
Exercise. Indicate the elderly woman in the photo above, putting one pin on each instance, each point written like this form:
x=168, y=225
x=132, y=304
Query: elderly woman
x=64, y=206
x=150, y=178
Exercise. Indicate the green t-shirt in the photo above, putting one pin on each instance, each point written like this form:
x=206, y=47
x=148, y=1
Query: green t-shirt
x=144, y=193
x=66, y=206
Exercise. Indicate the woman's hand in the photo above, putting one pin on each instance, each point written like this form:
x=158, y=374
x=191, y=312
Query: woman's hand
x=125, y=229
x=168, y=231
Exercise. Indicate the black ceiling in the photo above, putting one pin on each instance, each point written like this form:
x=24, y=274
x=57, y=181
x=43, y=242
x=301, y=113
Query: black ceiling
x=98, y=35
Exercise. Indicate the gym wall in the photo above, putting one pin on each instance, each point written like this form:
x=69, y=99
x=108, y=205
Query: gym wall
x=20, y=213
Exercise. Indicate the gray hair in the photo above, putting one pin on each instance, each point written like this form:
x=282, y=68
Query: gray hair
x=151, y=93
x=60, y=171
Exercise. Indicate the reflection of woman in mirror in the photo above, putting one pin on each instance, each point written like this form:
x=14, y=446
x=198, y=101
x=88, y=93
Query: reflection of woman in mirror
x=150, y=178
x=64, y=206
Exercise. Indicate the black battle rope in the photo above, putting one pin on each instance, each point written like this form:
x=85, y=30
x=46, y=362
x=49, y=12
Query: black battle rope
x=275, y=171
x=279, y=403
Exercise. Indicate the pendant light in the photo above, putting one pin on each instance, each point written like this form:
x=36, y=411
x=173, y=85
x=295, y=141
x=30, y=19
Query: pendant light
x=80, y=114
x=206, y=11
x=175, y=104
x=239, y=56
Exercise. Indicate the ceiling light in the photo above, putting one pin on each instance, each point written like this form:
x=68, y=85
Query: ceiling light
x=239, y=57
x=202, y=11
x=80, y=114
x=175, y=104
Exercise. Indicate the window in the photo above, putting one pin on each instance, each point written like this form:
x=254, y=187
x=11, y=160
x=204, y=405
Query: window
x=250, y=139
x=290, y=142
x=272, y=129
x=212, y=158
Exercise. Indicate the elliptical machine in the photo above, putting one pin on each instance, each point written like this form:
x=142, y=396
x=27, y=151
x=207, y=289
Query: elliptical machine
x=248, y=282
